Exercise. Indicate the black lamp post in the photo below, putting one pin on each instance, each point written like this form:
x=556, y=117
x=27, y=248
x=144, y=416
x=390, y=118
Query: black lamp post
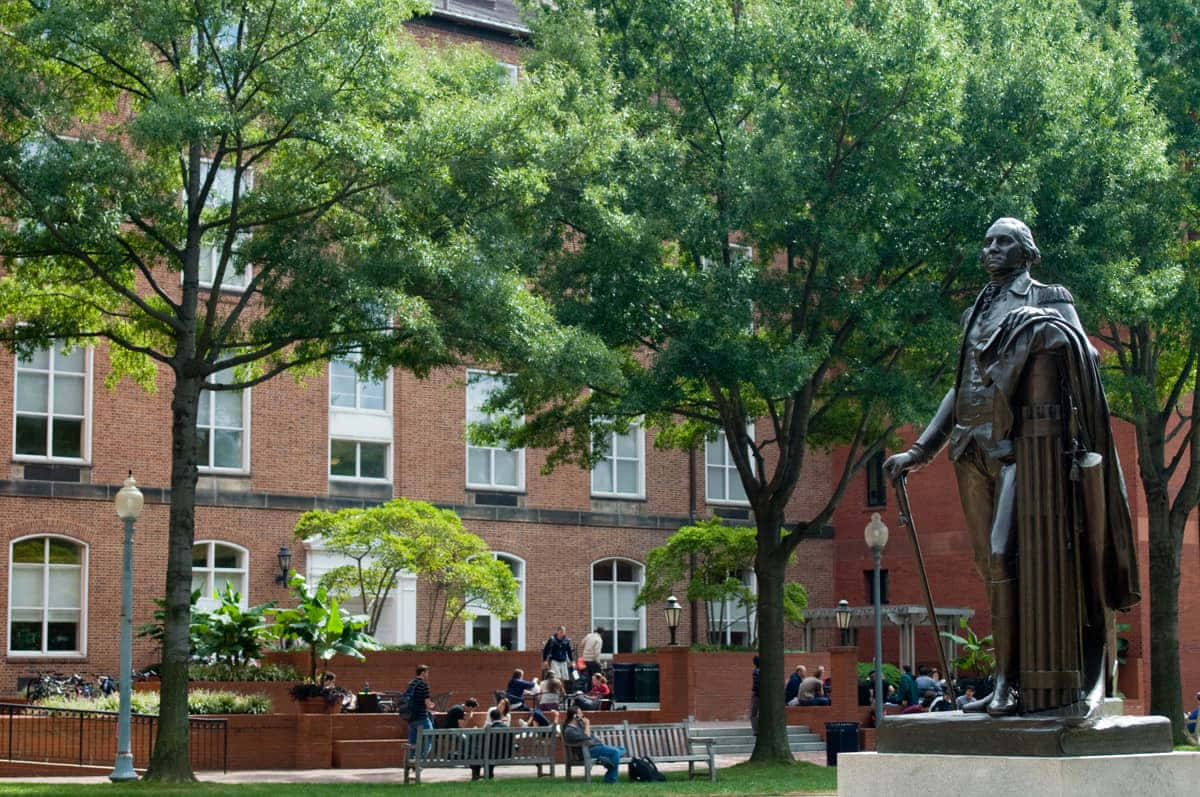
x=671, y=612
x=843, y=620
x=285, y=565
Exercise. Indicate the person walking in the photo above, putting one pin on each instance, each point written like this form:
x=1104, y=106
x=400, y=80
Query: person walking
x=590, y=649
x=419, y=707
x=557, y=654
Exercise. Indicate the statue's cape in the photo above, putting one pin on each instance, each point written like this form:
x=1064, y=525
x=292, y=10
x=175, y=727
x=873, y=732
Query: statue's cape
x=1025, y=332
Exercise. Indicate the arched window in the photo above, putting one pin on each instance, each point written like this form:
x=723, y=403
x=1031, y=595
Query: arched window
x=47, y=587
x=488, y=630
x=215, y=564
x=615, y=585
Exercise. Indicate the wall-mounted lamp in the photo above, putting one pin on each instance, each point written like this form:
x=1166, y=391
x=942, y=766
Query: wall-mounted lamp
x=285, y=565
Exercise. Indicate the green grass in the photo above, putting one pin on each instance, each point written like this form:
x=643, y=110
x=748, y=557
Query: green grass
x=742, y=779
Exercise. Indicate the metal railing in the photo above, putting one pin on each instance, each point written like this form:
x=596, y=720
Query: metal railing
x=82, y=737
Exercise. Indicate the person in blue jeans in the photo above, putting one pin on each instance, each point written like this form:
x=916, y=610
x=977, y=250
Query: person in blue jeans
x=577, y=730
x=419, y=706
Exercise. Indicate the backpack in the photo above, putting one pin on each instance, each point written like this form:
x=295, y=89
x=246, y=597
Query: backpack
x=644, y=769
x=404, y=701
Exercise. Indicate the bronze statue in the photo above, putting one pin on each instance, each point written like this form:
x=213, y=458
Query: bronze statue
x=1039, y=481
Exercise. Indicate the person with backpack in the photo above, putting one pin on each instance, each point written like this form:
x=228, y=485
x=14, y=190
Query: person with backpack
x=419, y=706
x=577, y=731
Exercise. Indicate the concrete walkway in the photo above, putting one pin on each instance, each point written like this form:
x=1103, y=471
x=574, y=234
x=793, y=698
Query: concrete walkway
x=397, y=776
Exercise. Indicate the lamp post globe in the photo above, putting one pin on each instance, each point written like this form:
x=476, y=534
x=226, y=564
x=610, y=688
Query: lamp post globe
x=671, y=613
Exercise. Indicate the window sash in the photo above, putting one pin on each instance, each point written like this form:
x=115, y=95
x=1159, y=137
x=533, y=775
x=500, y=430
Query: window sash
x=46, y=602
x=50, y=407
x=621, y=470
x=722, y=484
x=221, y=428
x=612, y=603
x=490, y=467
x=351, y=452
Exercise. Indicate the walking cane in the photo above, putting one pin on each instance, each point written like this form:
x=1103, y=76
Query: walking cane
x=906, y=518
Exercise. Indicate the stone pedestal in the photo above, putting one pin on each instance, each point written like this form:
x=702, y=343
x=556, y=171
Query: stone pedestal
x=956, y=733
x=904, y=775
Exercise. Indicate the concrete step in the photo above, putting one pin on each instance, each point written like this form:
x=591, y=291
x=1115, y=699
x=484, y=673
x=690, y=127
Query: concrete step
x=735, y=731
x=747, y=749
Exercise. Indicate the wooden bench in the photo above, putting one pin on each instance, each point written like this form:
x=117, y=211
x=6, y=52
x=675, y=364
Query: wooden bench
x=483, y=748
x=663, y=742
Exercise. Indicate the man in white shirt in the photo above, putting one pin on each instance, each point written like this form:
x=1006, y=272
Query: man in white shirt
x=590, y=652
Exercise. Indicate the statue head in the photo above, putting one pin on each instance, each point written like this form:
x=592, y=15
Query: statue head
x=1008, y=246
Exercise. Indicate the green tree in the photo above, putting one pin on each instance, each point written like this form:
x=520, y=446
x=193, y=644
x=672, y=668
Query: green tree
x=1147, y=309
x=319, y=623
x=711, y=559
x=784, y=226
x=227, y=191
x=403, y=535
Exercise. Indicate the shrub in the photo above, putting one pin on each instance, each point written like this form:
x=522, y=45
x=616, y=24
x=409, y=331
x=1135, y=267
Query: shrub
x=224, y=672
x=200, y=701
x=891, y=673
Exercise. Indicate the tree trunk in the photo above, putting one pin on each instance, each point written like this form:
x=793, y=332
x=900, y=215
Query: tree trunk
x=171, y=760
x=770, y=566
x=1166, y=690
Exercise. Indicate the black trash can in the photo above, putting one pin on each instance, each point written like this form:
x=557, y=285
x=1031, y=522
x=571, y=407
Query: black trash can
x=622, y=682
x=645, y=682
x=840, y=737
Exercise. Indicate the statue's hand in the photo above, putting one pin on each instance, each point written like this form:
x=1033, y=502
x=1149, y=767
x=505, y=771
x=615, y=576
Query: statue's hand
x=898, y=464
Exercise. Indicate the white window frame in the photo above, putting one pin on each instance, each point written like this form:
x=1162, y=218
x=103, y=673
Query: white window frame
x=206, y=601
x=474, y=416
x=359, y=426
x=728, y=468
x=610, y=458
x=210, y=395
x=84, y=552
x=731, y=609
x=494, y=622
x=86, y=433
x=609, y=622
x=512, y=72
x=232, y=282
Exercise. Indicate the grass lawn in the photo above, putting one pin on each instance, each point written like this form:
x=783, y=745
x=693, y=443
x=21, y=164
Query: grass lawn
x=742, y=779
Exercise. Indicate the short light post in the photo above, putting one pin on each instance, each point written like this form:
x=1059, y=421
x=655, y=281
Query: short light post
x=129, y=506
x=671, y=612
x=876, y=536
x=843, y=620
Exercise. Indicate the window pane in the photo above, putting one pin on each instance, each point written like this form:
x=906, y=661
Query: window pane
x=372, y=395
x=229, y=409
x=714, y=451
x=64, y=588
x=714, y=483
x=374, y=460
x=32, y=390
x=481, y=630
x=227, y=449
x=736, y=491
x=508, y=634
x=27, y=585
x=506, y=467
x=626, y=571
x=602, y=477
x=603, y=571
x=63, y=552
x=204, y=409
x=342, y=384
x=626, y=444
x=30, y=550
x=31, y=434
x=341, y=458
x=203, y=451
x=200, y=582
x=626, y=641
x=68, y=395
x=73, y=363
x=602, y=601
x=626, y=594
x=39, y=359
x=26, y=635
x=68, y=438
x=225, y=556
x=627, y=476
x=235, y=580
x=200, y=554
x=479, y=469
x=62, y=636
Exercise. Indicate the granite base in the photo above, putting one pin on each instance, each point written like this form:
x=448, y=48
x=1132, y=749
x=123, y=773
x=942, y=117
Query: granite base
x=957, y=733
x=897, y=775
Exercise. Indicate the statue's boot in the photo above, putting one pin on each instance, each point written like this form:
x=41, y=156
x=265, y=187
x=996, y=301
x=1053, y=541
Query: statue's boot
x=1004, y=642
